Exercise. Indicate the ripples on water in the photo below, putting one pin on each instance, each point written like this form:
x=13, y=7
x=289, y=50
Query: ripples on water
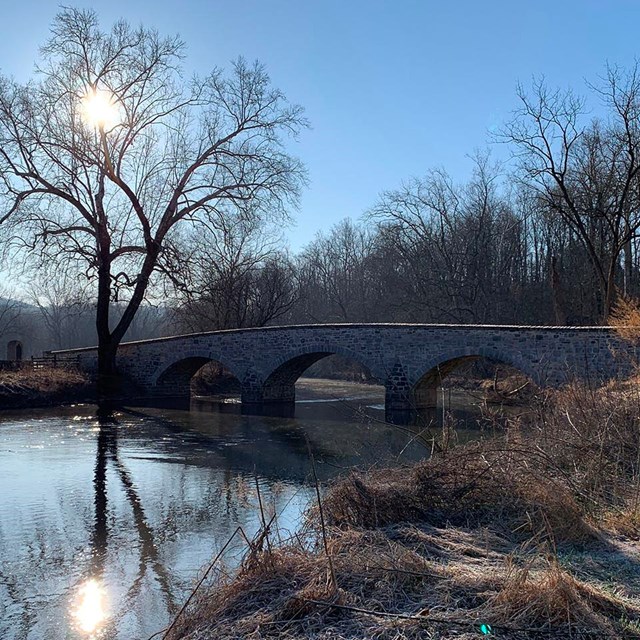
x=107, y=526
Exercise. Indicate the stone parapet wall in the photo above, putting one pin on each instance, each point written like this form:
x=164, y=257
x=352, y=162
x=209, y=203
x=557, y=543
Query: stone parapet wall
x=408, y=359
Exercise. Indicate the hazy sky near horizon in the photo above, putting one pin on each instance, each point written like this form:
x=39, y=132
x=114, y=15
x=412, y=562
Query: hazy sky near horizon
x=391, y=88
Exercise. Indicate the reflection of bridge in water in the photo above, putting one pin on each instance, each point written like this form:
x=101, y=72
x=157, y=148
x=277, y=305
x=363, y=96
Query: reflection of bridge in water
x=409, y=360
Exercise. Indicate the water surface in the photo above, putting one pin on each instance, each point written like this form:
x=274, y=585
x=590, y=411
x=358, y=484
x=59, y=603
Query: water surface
x=140, y=504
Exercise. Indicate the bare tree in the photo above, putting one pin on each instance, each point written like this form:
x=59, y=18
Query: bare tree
x=10, y=311
x=232, y=275
x=275, y=290
x=588, y=173
x=335, y=278
x=108, y=151
x=64, y=305
x=460, y=246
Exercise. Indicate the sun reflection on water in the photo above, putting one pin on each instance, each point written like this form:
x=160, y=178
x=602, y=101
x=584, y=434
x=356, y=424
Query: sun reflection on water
x=91, y=611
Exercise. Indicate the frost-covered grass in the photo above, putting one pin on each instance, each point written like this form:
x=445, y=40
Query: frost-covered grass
x=531, y=534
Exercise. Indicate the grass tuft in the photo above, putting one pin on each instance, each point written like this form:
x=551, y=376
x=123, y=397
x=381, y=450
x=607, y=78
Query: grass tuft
x=533, y=533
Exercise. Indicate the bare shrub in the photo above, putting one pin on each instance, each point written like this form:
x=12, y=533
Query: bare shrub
x=592, y=439
x=625, y=318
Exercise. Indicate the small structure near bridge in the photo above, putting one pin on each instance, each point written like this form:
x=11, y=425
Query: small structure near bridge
x=14, y=351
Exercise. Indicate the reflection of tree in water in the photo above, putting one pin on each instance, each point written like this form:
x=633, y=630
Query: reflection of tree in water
x=107, y=451
x=14, y=594
x=107, y=440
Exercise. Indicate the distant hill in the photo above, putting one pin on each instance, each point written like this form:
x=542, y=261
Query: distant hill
x=19, y=304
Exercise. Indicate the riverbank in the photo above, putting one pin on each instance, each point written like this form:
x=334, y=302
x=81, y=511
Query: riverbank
x=45, y=387
x=532, y=534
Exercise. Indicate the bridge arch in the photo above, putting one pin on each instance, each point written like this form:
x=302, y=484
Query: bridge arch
x=279, y=381
x=448, y=361
x=174, y=375
x=428, y=378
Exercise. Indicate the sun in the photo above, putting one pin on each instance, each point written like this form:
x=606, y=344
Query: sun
x=99, y=108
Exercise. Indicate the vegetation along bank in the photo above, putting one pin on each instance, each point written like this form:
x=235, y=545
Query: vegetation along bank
x=534, y=534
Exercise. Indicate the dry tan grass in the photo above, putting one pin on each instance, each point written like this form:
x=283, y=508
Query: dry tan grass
x=47, y=384
x=625, y=522
x=551, y=597
x=521, y=533
x=407, y=581
x=480, y=484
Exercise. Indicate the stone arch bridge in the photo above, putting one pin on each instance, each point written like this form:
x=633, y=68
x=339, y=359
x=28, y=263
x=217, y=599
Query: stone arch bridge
x=409, y=360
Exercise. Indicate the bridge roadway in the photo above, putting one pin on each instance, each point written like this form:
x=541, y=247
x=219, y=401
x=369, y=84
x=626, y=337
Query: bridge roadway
x=410, y=360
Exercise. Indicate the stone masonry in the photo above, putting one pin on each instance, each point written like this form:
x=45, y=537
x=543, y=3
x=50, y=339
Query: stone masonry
x=409, y=360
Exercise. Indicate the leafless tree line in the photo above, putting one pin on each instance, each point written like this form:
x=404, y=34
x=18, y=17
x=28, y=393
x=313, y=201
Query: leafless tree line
x=167, y=220
x=431, y=251
x=550, y=238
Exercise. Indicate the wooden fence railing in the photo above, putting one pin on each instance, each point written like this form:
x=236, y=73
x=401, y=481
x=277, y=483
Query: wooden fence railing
x=54, y=361
x=46, y=361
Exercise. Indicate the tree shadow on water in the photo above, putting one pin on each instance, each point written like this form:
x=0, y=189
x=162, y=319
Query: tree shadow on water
x=107, y=456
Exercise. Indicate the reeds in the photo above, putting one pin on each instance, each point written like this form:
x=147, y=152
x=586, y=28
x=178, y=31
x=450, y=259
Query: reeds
x=519, y=537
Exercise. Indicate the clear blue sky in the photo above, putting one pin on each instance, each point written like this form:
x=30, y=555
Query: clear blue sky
x=391, y=88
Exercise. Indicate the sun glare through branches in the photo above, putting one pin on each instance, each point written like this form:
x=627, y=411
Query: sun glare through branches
x=99, y=108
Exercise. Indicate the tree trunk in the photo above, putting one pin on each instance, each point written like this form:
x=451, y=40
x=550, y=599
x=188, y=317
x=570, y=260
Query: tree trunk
x=556, y=294
x=107, y=358
x=109, y=382
x=609, y=293
x=628, y=268
x=107, y=346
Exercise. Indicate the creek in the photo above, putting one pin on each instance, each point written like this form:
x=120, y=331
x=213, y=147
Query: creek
x=105, y=526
